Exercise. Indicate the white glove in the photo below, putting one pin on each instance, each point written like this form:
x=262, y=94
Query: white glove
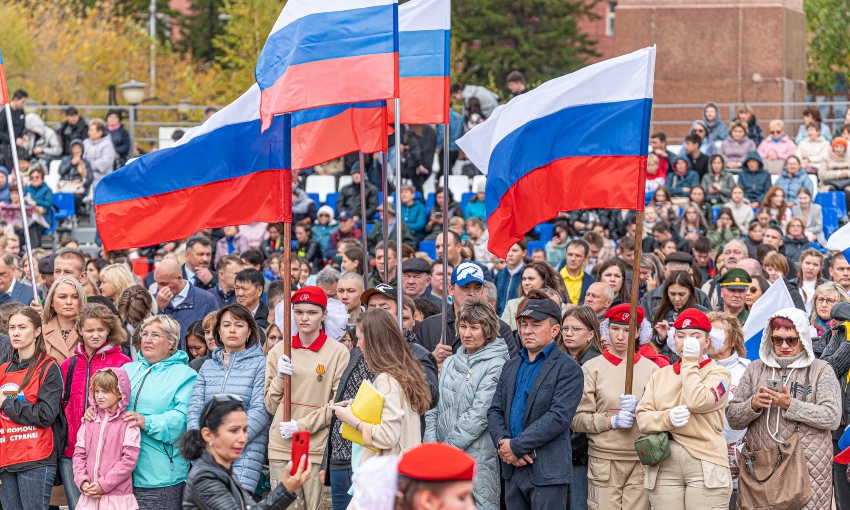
x=679, y=416
x=691, y=347
x=628, y=403
x=287, y=428
x=623, y=420
x=284, y=366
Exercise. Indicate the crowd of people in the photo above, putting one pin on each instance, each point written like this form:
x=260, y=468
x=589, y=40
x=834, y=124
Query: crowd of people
x=155, y=378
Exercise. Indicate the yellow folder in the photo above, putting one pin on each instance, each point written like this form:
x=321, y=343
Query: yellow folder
x=367, y=406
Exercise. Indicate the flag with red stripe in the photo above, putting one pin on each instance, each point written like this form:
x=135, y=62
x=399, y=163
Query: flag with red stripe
x=4, y=92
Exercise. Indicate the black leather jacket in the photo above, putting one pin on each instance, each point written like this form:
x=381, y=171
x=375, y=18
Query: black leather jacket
x=211, y=486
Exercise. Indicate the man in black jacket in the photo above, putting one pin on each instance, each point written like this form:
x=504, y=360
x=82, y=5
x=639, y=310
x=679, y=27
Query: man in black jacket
x=196, y=270
x=17, y=140
x=467, y=281
x=661, y=233
x=74, y=128
x=349, y=199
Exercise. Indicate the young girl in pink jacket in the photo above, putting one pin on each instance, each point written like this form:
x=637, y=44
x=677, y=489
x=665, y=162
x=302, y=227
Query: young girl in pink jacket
x=108, y=447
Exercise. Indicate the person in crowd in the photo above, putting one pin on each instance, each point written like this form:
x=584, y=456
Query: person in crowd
x=413, y=211
x=376, y=277
x=227, y=268
x=479, y=236
x=833, y=344
x=576, y=281
x=812, y=115
x=509, y=280
x=811, y=276
x=809, y=405
x=775, y=205
x=76, y=169
x=661, y=233
x=611, y=436
x=215, y=448
x=346, y=231
x=556, y=248
x=795, y=240
x=475, y=207
x=835, y=167
x=613, y=272
x=303, y=207
x=711, y=118
x=9, y=283
x=134, y=306
x=742, y=212
x=756, y=290
x=656, y=176
x=307, y=247
x=28, y=465
x=328, y=280
x=102, y=336
x=274, y=242
x=776, y=148
x=839, y=271
x=41, y=141
x=754, y=178
x=812, y=216
x=793, y=179
x=455, y=257
x=325, y=225
x=349, y=199
x=747, y=115
x=705, y=143
x=679, y=400
x=39, y=195
x=377, y=233
x=599, y=297
x=523, y=424
x=197, y=269
x=467, y=382
x=434, y=226
x=677, y=295
x=196, y=345
x=664, y=206
x=114, y=280
x=416, y=277
x=273, y=336
x=658, y=142
x=735, y=148
x=353, y=261
x=396, y=376
x=236, y=367
x=74, y=128
x=348, y=291
x=232, y=243
x=420, y=141
x=776, y=267
x=316, y=369
x=692, y=224
x=697, y=197
x=178, y=299
x=249, y=293
x=811, y=149
x=733, y=357
x=725, y=229
x=99, y=150
x=826, y=296
x=106, y=449
x=70, y=262
x=63, y=302
x=734, y=285
x=718, y=182
x=120, y=137
x=681, y=180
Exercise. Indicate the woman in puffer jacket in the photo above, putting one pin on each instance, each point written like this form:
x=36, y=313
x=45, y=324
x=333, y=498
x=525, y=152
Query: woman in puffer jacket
x=236, y=367
x=42, y=141
x=468, y=381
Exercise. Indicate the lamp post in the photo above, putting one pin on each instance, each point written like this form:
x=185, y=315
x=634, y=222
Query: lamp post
x=133, y=92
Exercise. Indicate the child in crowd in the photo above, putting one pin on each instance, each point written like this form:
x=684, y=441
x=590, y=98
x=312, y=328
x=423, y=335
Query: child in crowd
x=655, y=175
x=108, y=447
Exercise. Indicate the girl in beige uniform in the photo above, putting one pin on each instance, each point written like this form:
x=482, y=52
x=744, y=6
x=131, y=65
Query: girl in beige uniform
x=687, y=400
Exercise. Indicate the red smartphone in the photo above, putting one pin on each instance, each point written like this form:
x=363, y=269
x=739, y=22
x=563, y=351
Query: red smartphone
x=300, y=447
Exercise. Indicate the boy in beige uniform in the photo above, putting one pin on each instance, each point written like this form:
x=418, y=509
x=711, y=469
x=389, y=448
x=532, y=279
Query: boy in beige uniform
x=606, y=415
x=687, y=400
x=318, y=363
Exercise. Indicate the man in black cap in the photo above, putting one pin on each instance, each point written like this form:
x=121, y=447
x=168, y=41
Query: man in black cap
x=416, y=277
x=45, y=269
x=676, y=261
x=74, y=128
x=532, y=410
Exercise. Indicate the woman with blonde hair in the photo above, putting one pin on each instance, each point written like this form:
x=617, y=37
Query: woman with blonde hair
x=114, y=280
x=776, y=266
x=64, y=300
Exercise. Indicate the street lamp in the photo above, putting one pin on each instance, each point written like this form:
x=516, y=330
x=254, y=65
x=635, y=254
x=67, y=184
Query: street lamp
x=133, y=92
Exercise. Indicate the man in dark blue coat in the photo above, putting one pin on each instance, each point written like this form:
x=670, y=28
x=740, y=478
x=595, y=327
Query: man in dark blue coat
x=179, y=299
x=532, y=411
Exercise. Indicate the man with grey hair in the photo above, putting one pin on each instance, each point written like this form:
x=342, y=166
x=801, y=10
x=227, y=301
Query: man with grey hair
x=491, y=293
x=327, y=279
x=178, y=298
x=733, y=252
x=348, y=291
x=599, y=296
x=12, y=289
x=196, y=270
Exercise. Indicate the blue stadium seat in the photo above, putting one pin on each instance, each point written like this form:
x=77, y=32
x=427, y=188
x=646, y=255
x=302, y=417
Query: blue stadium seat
x=715, y=211
x=331, y=200
x=429, y=248
x=830, y=220
x=380, y=197
x=832, y=200
x=429, y=202
x=648, y=198
x=464, y=200
x=544, y=230
x=315, y=198
x=533, y=245
x=64, y=205
x=369, y=228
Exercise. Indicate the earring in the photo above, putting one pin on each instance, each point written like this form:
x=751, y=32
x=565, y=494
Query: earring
x=210, y=443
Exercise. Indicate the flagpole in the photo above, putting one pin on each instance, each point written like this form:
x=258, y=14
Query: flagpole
x=384, y=224
x=445, y=254
x=398, y=202
x=287, y=278
x=19, y=180
x=633, y=325
x=363, y=219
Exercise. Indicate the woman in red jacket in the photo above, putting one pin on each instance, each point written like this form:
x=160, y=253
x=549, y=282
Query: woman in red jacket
x=102, y=336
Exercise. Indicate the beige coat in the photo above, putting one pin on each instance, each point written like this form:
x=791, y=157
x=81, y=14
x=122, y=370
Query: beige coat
x=831, y=166
x=399, y=430
x=56, y=346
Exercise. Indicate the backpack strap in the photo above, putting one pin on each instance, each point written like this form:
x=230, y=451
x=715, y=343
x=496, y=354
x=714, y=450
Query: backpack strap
x=66, y=395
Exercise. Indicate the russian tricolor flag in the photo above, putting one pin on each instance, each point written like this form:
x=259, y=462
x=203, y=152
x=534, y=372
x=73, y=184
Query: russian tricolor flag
x=576, y=142
x=322, y=134
x=223, y=172
x=4, y=92
x=329, y=52
x=423, y=59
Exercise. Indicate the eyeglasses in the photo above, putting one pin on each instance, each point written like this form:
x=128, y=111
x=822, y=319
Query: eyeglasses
x=573, y=329
x=153, y=336
x=776, y=132
x=825, y=301
x=779, y=340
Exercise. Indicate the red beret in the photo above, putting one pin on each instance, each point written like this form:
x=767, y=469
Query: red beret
x=311, y=295
x=620, y=314
x=437, y=462
x=692, y=319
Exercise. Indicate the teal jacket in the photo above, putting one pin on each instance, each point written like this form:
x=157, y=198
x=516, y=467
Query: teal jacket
x=161, y=393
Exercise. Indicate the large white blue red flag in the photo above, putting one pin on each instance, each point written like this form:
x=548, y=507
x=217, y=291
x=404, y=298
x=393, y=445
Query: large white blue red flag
x=223, y=172
x=328, y=52
x=576, y=142
x=775, y=298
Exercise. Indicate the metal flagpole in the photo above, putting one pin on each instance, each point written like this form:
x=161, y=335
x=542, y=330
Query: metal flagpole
x=445, y=254
x=18, y=178
x=398, y=202
x=385, y=223
x=363, y=219
x=633, y=325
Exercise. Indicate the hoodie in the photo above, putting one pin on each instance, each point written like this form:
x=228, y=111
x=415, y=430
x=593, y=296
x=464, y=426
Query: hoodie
x=678, y=184
x=106, y=452
x=302, y=206
x=727, y=182
x=42, y=137
x=707, y=146
x=717, y=130
x=736, y=151
x=755, y=183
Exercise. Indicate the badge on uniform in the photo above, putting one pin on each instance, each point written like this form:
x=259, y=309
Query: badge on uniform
x=320, y=369
x=719, y=391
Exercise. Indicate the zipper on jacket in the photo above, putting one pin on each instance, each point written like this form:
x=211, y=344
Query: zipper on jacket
x=459, y=392
x=226, y=372
x=98, y=452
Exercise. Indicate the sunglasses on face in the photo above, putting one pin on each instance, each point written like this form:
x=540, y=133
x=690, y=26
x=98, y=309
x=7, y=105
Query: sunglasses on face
x=779, y=340
x=776, y=132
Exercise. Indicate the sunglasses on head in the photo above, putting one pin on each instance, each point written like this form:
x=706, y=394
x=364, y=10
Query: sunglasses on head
x=779, y=340
x=221, y=398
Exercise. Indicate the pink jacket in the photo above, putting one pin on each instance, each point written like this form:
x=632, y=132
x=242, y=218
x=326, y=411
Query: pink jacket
x=783, y=148
x=106, y=452
x=106, y=357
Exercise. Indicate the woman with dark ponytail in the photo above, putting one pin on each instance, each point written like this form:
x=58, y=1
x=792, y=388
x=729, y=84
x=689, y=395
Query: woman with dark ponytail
x=211, y=484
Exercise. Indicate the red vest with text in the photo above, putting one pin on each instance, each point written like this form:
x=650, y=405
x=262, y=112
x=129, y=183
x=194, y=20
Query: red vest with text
x=23, y=443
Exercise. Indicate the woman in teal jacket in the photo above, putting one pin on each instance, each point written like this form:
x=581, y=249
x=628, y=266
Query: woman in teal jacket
x=161, y=387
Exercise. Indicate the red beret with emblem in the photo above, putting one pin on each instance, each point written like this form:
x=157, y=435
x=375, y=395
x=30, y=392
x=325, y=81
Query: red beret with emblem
x=620, y=314
x=437, y=462
x=692, y=319
x=312, y=295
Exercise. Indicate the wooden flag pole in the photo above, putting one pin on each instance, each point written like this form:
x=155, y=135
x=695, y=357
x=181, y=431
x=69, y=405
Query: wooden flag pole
x=364, y=219
x=633, y=325
x=287, y=295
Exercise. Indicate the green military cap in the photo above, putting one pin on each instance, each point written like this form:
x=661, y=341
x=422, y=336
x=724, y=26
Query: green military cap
x=735, y=279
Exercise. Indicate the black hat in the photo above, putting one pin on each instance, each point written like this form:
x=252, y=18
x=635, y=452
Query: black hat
x=540, y=309
x=119, y=113
x=382, y=288
x=71, y=110
x=680, y=257
x=416, y=265
x=45, y=265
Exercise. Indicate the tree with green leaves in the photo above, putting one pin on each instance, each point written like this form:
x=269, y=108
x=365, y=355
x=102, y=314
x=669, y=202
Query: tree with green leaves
x=829, y=42
x=539, y=38
x=205, y=22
